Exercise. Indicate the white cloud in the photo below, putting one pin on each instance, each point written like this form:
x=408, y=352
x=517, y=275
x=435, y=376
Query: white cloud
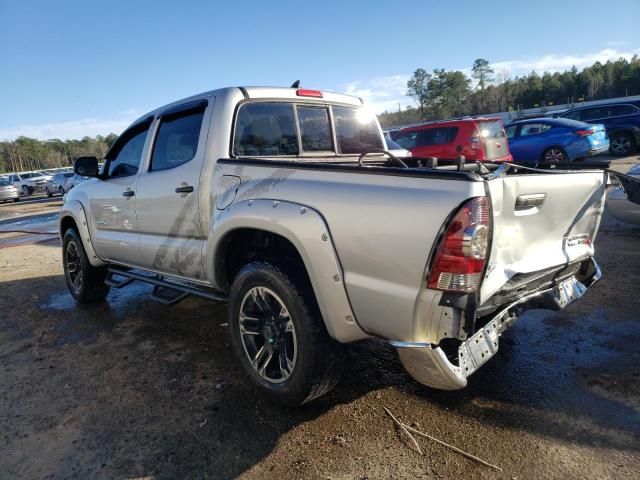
x=382, y=93
x=74, y=129
x=556, y=63
x=385, y=93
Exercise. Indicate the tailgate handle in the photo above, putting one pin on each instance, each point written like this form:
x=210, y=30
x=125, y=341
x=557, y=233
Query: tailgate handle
x=530, y=200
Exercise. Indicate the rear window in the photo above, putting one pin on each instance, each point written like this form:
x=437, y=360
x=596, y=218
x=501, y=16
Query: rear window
x=4, y=183
x=314, y=129
x=271, y=129
x=265, y=129
x=356, y=131
x=493, y=139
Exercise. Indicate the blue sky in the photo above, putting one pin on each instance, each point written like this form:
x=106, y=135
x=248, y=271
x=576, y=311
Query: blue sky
x=71, y=68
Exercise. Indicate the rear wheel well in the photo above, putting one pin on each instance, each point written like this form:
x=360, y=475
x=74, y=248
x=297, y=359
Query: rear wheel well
x=246, y=245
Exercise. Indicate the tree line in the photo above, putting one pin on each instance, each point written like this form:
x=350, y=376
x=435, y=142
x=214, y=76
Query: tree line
x=443, y=94
x=25, y=154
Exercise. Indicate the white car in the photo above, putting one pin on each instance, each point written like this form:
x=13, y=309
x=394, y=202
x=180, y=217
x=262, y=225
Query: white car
x=394, y=148
x=29, y=183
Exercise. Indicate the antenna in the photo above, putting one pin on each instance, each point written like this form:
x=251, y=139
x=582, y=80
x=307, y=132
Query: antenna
x=296, y=84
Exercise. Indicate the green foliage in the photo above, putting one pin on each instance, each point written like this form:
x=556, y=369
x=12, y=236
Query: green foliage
x=443, y=94
x=417, y=87
x=23, y=153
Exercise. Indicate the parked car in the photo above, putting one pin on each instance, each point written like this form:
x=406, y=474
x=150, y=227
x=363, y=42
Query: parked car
x=264, y=199
x=554, y=140
x=395, y=149
x=8, y=191
x=76, y=180
x=621, y=119
x=475, y=138
x=28, y=183
x=58, y=183
x=619, y=205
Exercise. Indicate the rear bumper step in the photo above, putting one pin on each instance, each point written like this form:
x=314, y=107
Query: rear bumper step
x=428, y=364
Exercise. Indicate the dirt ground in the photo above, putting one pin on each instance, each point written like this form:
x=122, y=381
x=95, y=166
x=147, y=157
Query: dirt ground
x=131, y=388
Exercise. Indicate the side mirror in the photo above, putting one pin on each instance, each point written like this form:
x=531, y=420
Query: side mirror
x=86, y=166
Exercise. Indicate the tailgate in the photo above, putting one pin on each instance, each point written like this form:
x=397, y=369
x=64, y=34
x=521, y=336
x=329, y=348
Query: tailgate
x=541, y=221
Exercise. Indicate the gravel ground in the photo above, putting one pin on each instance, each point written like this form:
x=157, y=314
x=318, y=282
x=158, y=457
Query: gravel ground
x=131, y=388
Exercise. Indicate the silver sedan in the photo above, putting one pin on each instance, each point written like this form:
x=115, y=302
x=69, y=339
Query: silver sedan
x=8, y=191
x=618, y=204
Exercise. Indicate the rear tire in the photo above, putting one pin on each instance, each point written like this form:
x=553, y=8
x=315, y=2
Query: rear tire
x=61, y=190
x=85, y=282
x=278, y=334
x=49, y=194
x=621, y=144
x=17, y=199
x=553, y=155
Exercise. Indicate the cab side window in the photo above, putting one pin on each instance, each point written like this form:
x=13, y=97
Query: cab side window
x=177, y=140
x=125, y=155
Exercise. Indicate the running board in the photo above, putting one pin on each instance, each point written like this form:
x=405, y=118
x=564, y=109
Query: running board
x=164, y=291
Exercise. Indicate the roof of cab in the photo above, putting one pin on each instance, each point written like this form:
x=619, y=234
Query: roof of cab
x=259, y=93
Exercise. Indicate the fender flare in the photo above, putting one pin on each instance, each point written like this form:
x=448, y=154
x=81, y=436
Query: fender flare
x=306, y=229
x=73, y=209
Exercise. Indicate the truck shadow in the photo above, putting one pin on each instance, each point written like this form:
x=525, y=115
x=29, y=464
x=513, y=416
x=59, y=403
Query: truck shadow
x=132, y=388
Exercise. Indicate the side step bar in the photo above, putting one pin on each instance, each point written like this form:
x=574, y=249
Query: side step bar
x=164, y=291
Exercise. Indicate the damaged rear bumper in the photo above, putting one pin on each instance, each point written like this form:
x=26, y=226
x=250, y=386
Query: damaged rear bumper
x=429, y=365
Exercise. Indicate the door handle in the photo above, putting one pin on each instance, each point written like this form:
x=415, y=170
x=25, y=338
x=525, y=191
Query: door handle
x=186, y=189
x=128, y=193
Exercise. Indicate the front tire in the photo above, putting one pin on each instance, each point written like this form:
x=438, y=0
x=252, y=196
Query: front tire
x=278, y=334
x=85, y=282
x=554, y=155
x=621, y=144
x=25, y=191
x=49, y=194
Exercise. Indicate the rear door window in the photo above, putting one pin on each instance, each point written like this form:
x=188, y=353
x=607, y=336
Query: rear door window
x=265, y=129
x=619, y=110
x=436, y=136
x=315, y=132
x=575, y=115
x=534, y=129
x=594, y=113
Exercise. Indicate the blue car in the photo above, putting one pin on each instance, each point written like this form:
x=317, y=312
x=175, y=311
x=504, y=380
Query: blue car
x=621, y=119
x=554, y=140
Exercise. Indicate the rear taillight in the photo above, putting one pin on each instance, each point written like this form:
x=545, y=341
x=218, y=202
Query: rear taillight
x=476, y=143
x=585, y=132
x=462, y=253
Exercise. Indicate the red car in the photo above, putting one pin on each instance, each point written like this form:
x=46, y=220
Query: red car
x=475, y=138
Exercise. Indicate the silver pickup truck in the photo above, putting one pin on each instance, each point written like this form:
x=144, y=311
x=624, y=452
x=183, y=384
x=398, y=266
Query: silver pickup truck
x=282, y=202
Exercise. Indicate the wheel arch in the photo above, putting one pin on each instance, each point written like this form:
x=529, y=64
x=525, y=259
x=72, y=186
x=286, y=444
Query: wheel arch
x=299, y=233
x=73, y=215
